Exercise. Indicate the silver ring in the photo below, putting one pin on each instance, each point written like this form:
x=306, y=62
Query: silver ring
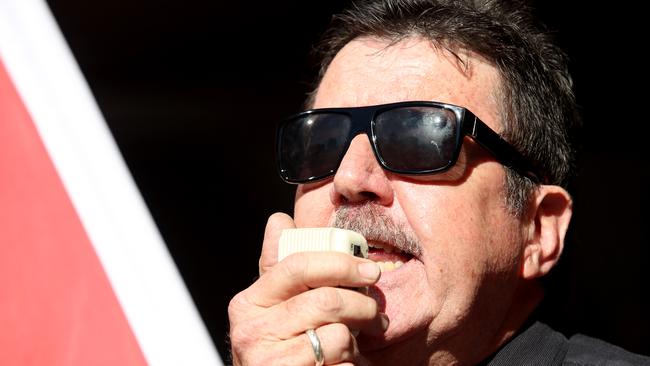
x=315, y=345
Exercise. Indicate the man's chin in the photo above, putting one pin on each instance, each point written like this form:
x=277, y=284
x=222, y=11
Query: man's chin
x=380, y=351
x=370, y=344
x=404, y=296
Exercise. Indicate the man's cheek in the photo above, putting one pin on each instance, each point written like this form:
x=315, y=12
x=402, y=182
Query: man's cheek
x=312, y=210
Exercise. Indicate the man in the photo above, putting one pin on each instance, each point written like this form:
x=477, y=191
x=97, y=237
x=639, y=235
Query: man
x=403, y=146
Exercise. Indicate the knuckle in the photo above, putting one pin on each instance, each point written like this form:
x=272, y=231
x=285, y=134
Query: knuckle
x=342, y=342
x=322, y=300
x=342, y=332
x=236, y=301
x=241, y=338
x=294, y=265
x=328, y=300
x=236, y=305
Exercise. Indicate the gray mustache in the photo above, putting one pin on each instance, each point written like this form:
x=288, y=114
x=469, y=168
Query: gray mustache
x=370, y=221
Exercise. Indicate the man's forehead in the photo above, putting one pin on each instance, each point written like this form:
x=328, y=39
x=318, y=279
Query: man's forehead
x=373, y=71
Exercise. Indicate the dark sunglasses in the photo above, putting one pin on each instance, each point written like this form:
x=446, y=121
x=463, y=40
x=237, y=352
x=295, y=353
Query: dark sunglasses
x=411, y=138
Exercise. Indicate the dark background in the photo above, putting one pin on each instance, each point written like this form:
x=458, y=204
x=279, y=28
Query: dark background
x=191, y=91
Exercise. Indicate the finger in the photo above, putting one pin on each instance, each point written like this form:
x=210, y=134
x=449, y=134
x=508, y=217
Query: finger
x=301, y=272
x=274, y=226
x=338, y=346
x=326, y=305
x=334, y=340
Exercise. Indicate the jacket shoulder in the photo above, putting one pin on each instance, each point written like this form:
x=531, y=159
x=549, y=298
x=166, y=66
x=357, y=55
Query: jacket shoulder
x=588, y=351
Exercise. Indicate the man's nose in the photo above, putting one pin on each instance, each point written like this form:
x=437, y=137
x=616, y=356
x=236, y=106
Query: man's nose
x=360, y=177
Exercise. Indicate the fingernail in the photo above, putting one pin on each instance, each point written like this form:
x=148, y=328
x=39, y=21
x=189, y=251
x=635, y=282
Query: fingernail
x=369, y=270
x=384, y=321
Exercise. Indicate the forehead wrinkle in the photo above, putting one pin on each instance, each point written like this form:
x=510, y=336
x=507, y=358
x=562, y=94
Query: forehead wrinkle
x=389, y=66
x=372, y=71
x=391, y=53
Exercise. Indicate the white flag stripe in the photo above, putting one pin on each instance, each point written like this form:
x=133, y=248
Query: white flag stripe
x=143, y=275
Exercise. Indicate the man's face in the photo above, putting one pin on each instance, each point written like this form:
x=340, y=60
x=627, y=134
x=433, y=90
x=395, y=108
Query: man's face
x=455, y=293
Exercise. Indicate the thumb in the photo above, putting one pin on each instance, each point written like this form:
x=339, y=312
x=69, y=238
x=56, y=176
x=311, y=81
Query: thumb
x=274, y=226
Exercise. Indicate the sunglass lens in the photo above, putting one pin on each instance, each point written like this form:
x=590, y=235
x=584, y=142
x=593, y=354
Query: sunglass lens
x=416, y=139
x=311, y=146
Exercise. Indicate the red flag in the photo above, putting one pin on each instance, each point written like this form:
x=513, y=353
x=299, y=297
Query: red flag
x=57, y=305
x=85, y=278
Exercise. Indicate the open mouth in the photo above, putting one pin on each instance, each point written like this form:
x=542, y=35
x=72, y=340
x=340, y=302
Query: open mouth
x=387, y=257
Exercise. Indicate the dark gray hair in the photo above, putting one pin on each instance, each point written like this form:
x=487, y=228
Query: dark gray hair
x=537, y=102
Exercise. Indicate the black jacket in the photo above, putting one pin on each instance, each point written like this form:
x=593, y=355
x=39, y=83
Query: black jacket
x=541, y=345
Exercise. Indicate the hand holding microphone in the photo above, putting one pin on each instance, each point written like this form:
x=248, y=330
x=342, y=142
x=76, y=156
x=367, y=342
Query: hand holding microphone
x=302, y=308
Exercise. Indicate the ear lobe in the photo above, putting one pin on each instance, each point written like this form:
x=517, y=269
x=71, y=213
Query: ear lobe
x=552, y=212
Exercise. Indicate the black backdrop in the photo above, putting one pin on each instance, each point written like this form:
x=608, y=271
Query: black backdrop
x=191, y=91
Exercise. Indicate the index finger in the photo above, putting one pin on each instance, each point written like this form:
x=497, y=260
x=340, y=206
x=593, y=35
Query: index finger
x=303, y=271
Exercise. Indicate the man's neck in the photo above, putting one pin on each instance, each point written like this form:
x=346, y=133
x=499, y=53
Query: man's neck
x=520, y=317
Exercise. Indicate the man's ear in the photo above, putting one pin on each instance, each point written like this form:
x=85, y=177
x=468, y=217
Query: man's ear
x=550, y=216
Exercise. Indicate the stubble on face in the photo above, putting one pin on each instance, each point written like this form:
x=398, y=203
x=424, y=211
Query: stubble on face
x=448, y=302
x=369, y=220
